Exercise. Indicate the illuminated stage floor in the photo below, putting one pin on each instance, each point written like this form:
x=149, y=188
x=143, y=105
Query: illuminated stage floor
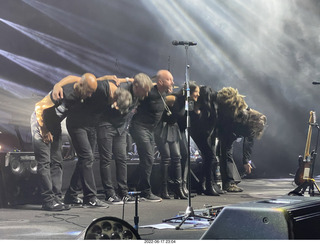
x=28, y=222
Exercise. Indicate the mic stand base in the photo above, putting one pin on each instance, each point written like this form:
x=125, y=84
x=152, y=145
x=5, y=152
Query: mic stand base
x=188, y=214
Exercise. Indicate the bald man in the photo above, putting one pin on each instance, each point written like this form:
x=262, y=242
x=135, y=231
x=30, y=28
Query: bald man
x=82, y=123
x=46, y=136
x=142, y=128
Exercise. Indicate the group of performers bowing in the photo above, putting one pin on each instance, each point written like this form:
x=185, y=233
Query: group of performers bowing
x=101, y=111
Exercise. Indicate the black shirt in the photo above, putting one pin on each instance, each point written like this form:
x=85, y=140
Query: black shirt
x=150, y=110
x=88, y=112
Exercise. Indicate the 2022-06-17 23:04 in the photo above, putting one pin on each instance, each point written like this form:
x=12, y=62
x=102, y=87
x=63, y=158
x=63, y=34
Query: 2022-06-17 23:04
x=160, y=241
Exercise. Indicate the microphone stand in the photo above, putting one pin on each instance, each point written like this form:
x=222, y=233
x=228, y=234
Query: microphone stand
x=189, y=211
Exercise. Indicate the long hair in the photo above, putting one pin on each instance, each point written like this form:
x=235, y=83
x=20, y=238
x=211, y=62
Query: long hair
x=255, y=123
x=206, y=123
x=206, y=101
x=230, y=102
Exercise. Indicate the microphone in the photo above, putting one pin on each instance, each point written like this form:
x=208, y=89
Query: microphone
x=252, y=164
x=184, y=43
x=316, y=83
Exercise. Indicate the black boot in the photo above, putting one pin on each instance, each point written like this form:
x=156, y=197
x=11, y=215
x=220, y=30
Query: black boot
x=217, y=188
x=185, y=188
x=177, y=189
x=207, y=172
x=201, y=186
x=178, y=193
x=184, y=170
x=164, y=181
x=210, y=189
x=217, y=178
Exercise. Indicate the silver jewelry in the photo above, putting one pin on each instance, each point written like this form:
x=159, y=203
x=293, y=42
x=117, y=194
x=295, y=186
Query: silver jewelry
x=165, y=105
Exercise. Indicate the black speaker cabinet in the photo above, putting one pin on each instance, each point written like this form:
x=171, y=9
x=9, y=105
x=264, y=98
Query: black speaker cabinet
x=288, y=217
x=18, y=179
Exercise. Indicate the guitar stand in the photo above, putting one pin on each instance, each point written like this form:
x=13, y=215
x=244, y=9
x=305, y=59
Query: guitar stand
x=300, y=190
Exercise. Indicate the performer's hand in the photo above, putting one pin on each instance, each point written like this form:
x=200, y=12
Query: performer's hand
x=47, y=137
x=247, y=168
x=115, y=78
x=197, y=111
x=57, y=92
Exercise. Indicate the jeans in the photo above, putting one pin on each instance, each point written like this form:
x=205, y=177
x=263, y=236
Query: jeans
x=144, y=139
x=49, y=163
x=84, y=142
x=110, y=143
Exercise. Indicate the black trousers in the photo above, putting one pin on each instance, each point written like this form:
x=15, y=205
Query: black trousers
x=144, y=139
x=111, y=143
x=49, y=160
x=84, y=142
x=206, y=145
x=167, y=139
x=227, y=164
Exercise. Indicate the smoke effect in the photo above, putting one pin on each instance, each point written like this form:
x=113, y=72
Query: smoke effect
x=268, y=50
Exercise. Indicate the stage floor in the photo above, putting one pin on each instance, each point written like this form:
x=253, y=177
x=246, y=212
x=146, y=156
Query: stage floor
x=29, y=222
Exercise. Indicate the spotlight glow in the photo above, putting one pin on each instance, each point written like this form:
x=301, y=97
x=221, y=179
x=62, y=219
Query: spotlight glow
x=90, y=31
x=95, y=62
x=47, y=72
x=19, y=91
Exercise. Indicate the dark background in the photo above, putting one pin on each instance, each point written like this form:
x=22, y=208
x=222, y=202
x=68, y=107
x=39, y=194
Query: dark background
x=268, y=50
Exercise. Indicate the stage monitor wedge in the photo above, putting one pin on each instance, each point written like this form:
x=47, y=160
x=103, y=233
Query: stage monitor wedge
x=287, y=217
x=18, y=179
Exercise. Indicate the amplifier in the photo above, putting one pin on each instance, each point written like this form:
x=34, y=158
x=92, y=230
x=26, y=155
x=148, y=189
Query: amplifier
x=19, y=162
x=18, y=179
x=288, y=217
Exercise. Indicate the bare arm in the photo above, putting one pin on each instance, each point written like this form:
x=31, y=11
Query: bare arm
x=113, y=88
x=108, y=77
x=115, y=79
x=45, y=103
x=121, y=80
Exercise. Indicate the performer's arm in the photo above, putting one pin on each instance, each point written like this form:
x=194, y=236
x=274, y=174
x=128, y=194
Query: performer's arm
x=115, y=79
x=45, y=103
x=108, y=77
x=57, y=92
x=112, y=89
x=121, y=80
x=48, y=101
x=247, y=151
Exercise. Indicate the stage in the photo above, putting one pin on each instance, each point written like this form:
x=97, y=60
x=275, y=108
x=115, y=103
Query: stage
x=29, y=222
